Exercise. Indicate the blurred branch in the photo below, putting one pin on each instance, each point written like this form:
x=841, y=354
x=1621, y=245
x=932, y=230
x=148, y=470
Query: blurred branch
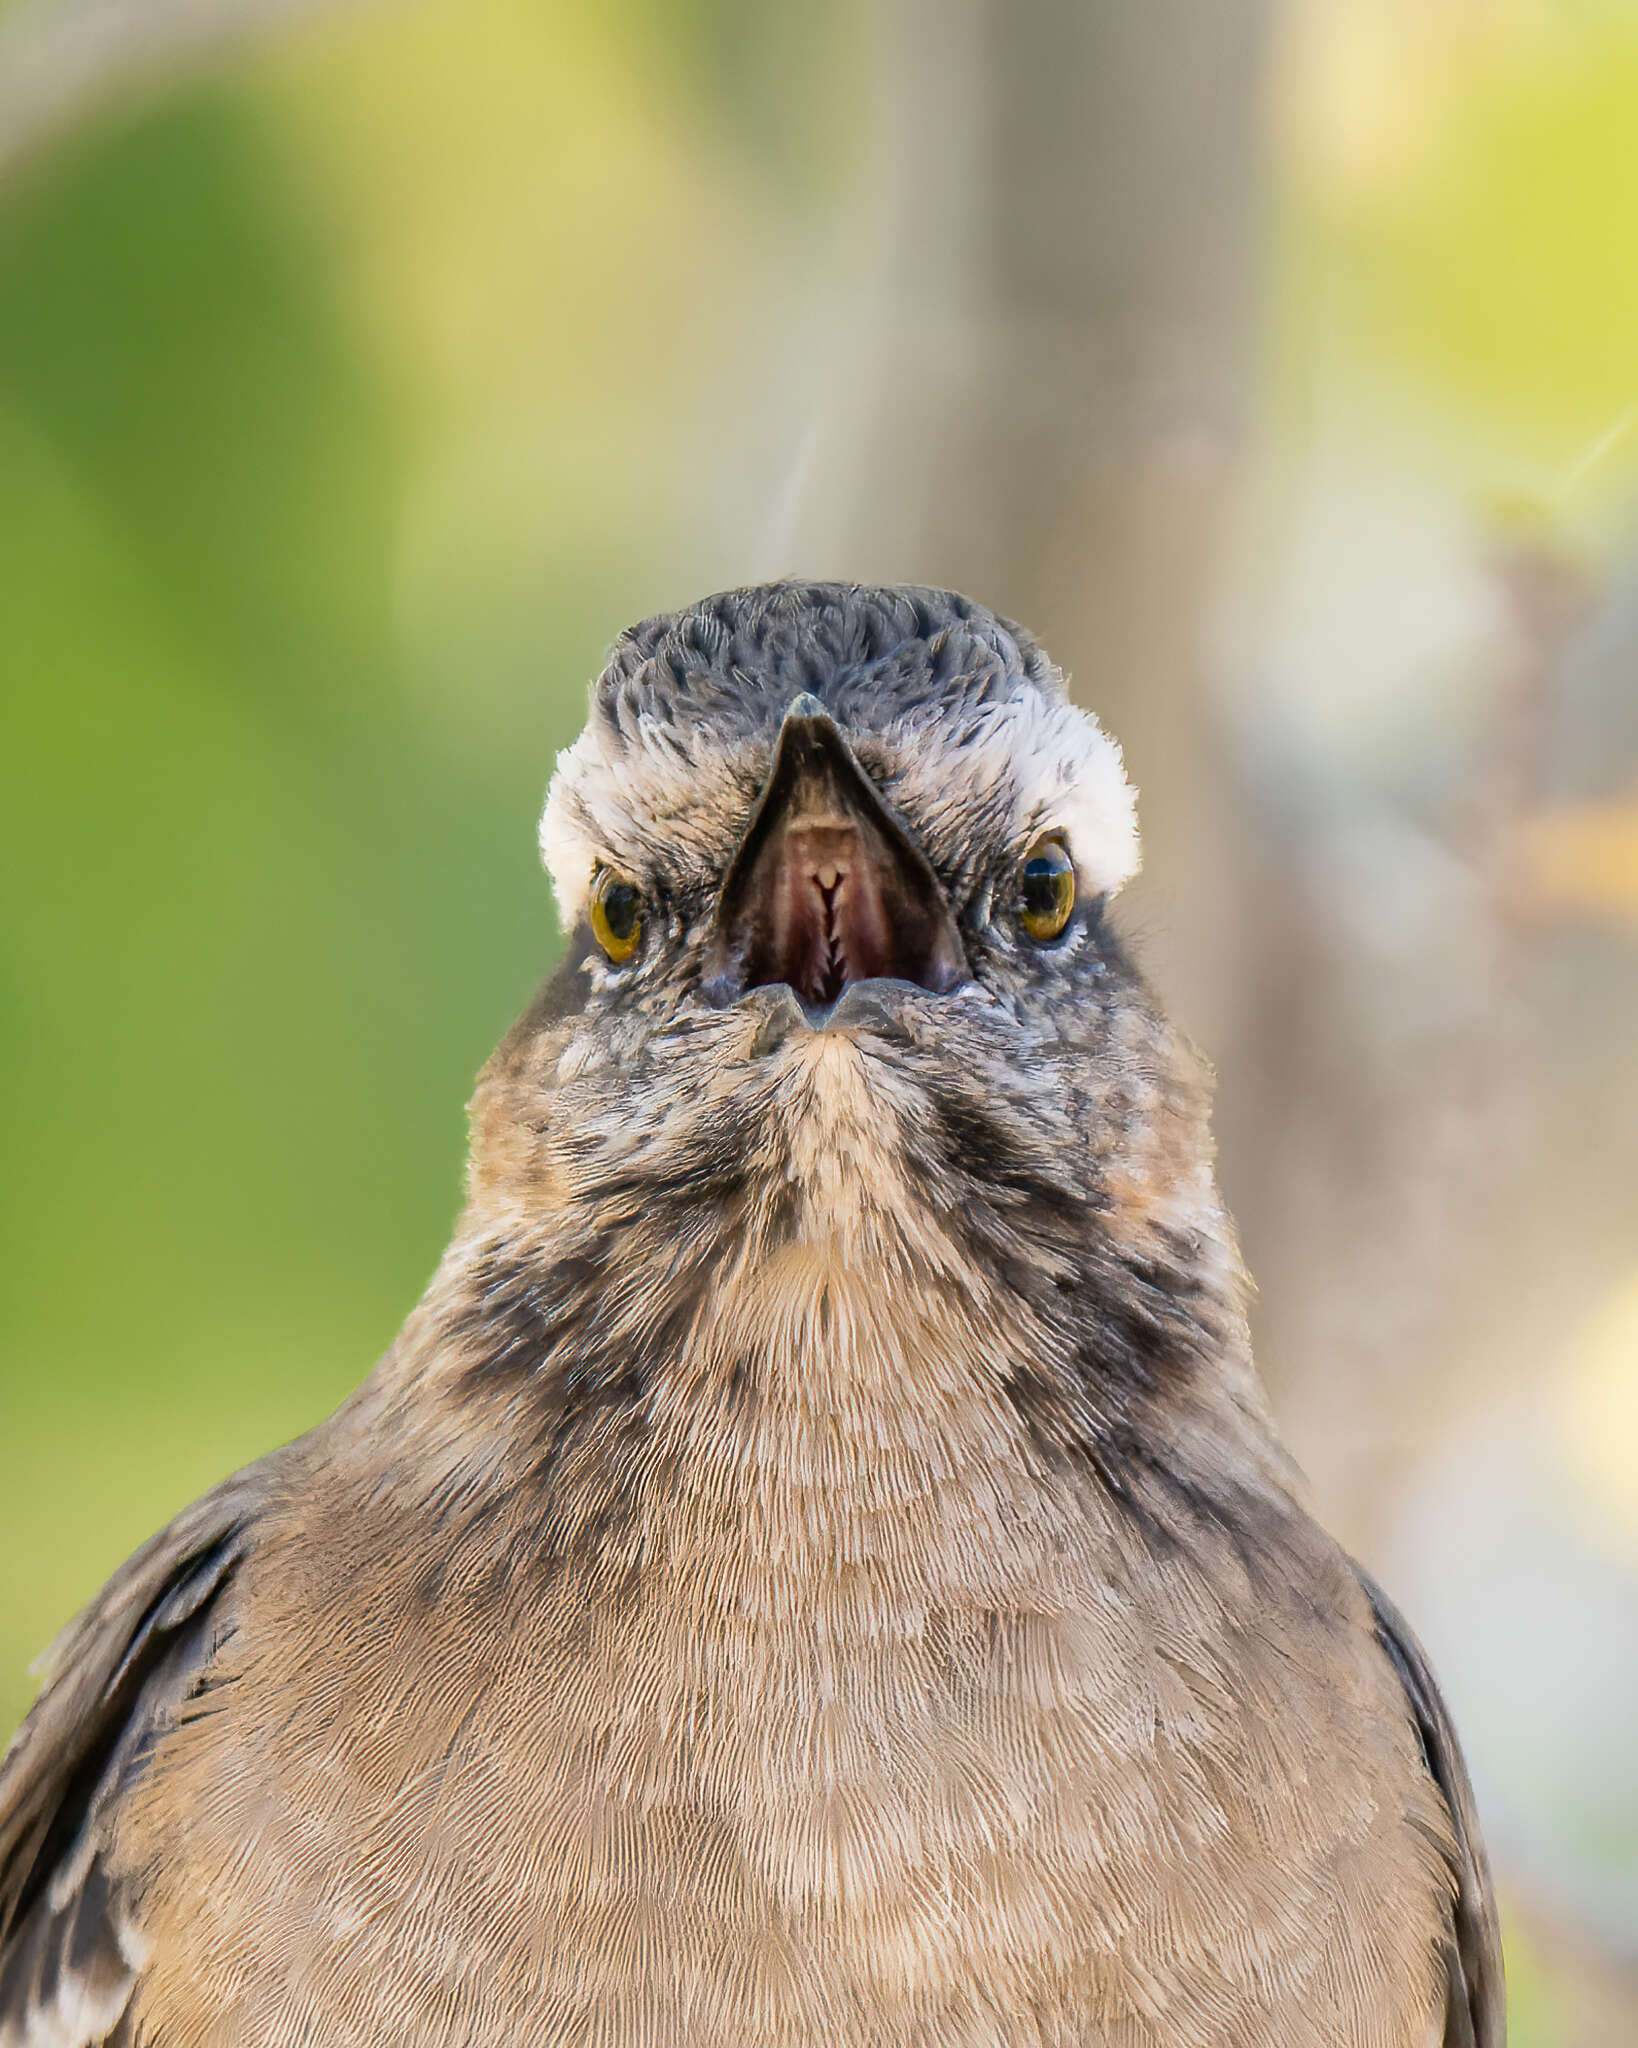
x=1554, y=863
x=1389, y=1074
x=63, y=61
x=1545, y=598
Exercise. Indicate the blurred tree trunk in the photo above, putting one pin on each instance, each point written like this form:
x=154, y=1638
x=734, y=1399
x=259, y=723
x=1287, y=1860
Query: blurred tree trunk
x=1046, y=401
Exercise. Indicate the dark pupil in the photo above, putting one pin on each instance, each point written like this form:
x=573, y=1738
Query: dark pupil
x=1044, y=886
x=621, y=907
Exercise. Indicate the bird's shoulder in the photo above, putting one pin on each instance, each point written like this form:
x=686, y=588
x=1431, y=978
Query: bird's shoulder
x=121, y=1674
x=1475, y=2012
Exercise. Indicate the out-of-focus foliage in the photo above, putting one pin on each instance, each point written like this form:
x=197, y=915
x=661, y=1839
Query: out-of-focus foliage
x=1465, y=189
x=249, y=908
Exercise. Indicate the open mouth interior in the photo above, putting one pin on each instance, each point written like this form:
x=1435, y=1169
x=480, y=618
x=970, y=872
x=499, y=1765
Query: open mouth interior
x=827, y=889
x=832, y=916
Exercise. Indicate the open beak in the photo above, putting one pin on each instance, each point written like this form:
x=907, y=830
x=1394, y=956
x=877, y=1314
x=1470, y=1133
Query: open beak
x=827, y=889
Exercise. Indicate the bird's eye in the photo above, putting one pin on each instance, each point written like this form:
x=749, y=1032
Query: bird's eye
x=616, y=915
x=1046, y=889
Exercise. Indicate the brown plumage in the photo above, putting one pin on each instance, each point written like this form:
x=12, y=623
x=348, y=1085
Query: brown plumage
x=815, y=1568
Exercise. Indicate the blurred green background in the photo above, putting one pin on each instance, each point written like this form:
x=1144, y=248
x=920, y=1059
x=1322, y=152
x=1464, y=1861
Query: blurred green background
x=362, y=375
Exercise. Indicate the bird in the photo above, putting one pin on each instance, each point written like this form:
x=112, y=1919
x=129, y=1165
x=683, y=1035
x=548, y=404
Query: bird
x=816, y=1565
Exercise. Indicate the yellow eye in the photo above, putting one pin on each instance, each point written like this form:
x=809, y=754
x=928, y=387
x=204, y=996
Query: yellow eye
x=1046, y=889
x=616, y=913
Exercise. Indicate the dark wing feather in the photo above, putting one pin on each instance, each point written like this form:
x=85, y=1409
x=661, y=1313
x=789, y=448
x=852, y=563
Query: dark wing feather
x=1476, y=2015
x=69, y=1953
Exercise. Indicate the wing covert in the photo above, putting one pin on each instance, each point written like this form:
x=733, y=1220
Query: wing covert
x=116, y=1677
x=1476, y=2014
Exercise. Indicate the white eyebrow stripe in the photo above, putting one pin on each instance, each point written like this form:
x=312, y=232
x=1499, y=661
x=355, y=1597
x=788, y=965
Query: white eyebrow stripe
x=610, y=793
x=1065, y=773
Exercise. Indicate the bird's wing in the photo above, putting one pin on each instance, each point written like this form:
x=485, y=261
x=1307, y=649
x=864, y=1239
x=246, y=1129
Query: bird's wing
x=117, y=1677
x=1475, y=2015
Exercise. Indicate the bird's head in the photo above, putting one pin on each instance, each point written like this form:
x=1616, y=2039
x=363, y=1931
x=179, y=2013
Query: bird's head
x=837, y=864
x=818, y=792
